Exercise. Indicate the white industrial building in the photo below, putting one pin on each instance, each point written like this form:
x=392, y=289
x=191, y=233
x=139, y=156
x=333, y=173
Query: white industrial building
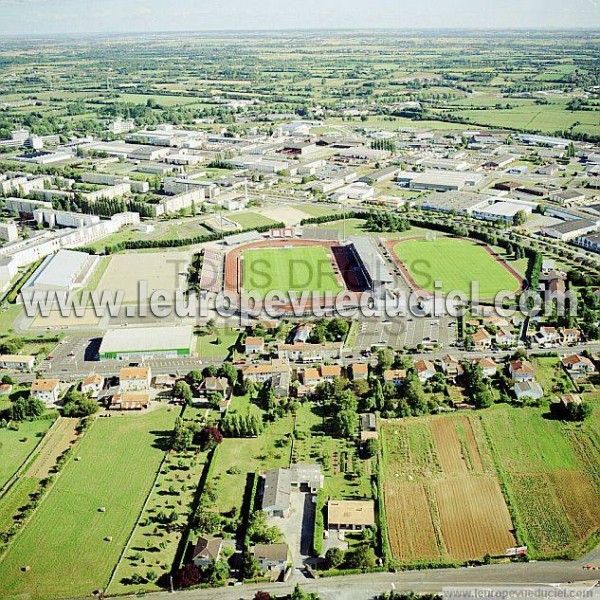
x=441, y=181
x=60, y=273
x=147, y=342
x=502, y=211
x=62, y=218
x=9, y=232
x=569, y=230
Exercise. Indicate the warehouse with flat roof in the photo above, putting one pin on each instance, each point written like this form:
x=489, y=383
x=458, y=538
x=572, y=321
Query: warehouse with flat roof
x=126, y=343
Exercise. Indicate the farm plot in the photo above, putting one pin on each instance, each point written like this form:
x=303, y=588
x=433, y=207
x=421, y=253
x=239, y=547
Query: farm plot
x=117, y=463
x=473, y=515
x=551, y=474
x=443, y=499
x=159, y=271
x=16, y=446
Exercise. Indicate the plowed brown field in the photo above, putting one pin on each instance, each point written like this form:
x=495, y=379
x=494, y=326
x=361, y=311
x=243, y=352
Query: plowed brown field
x=474, y=517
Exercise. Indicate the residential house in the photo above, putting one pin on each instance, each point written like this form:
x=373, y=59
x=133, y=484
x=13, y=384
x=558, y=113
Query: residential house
x=352, y=515
x=482, y=339
x=488, y=366
x=130, y=401
x=17, y=362
x=277, y=487
x=46, y=390
x=307, y=477
x=210, y=385
x=206, y=551
x=164, y=382
x=546, y=336
x=451, y=366
x=255, y=345
x=92, y=385
x=135, y=379
x=302, y=333
x=578, y=365
x=571, y=336
x=311, y=377
x=310, y=352
x=425, y=370
x=271, y=557
x=368, y=427
x=505, y=337
x=331, y=372
x=280, y=382
x=395, y=376
x=262, y=373
x=359, y=371
x=528, y=389
x=521, y=370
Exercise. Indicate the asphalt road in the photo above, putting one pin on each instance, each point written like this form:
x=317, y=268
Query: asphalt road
x=362, y=587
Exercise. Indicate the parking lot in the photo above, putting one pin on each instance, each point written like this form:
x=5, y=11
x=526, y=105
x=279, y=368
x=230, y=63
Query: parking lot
x=407, y=332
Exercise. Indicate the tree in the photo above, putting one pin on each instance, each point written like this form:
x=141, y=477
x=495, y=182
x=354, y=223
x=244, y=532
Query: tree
x=385, y=358
x=345, y=424
x=194, y=378
x=217, y=572
x=371, y=447
x=79, y=405
x=183, y=435
x=188, y=576
x=334, y=557
x=182, y=391
x=26, y=408
x=520, y=218
x=228, y=371
x=209, y=438
x=250, y=566
x=363, y=557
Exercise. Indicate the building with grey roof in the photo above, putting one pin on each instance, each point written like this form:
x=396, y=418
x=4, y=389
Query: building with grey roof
x=374, y=268
x=146, y=342
x=277, y=487
x=570, y=229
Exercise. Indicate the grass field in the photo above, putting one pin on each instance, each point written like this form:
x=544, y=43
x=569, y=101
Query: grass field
x=118, y=460
x=289, y=269
x=456, y=263
x=250, y=219
x=216, y=346
x=551, y=472
x=16, y=446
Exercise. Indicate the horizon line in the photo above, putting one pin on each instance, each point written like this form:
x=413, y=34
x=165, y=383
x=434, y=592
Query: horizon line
x=541, y=29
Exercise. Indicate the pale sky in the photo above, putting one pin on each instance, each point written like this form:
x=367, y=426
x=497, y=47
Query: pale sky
x=91, y=16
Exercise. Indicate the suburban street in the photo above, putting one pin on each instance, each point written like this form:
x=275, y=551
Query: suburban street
x=362, y=587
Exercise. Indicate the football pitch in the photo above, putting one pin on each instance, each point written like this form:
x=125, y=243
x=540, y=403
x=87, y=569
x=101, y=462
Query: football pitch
x=456, y=263
x=289, y=270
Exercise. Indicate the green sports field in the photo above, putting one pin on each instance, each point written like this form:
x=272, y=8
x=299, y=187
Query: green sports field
x=456, y=263
x=289, y=270
x=65, y=543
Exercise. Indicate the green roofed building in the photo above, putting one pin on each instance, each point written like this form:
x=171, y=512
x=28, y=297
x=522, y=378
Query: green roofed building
x=146, y=342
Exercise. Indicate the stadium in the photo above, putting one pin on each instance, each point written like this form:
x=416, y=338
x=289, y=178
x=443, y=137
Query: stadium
x=292, y=261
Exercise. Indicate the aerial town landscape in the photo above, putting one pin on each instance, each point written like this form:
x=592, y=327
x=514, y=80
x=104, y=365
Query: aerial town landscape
x=299, y=314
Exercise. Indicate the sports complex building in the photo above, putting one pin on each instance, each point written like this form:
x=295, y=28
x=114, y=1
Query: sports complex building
x=127, y=343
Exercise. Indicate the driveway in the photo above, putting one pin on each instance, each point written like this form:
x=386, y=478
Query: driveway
x=297, y=528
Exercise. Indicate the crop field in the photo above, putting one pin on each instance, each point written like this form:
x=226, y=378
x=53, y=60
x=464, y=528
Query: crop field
x=290, y=269
x=16, y=446
x=551, y=471
x=116, y=464
x=443, y=498
x=456, y=263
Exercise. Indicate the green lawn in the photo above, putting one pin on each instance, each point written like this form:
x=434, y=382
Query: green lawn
x=65, y=542
x=216, y=346
x=250, y=219
x=289, y=269
x=456, y=263
x=16, y=446
x=236, y=457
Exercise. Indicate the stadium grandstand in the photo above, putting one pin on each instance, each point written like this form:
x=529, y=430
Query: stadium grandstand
x=282, y=233
x=371, y=263
x=211, y=277
x=242, y=238
x=324, y=235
